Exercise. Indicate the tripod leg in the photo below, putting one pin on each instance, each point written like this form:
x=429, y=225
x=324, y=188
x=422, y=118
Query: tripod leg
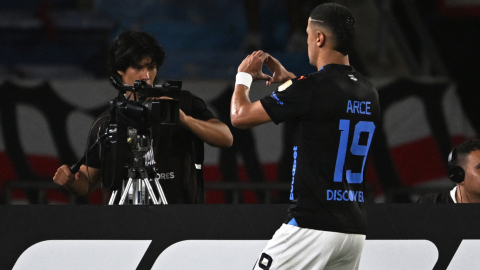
x=160, y=191
x=125, y=192
x=137, y=192
x=150, y=191
x=112, y=197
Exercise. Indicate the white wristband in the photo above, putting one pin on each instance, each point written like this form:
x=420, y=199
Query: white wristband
x=243, y=78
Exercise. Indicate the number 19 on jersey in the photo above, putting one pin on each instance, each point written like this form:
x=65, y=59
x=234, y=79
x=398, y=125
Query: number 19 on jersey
x=356, y=149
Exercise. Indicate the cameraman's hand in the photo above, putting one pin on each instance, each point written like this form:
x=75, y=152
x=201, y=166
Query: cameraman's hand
x=64, y=176
x=78, y=184
x=280, y=74
x=252, y=65
x=182, y=117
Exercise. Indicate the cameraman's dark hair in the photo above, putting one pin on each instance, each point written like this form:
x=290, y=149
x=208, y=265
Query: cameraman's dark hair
x=340, y=21
x=129, y=48
x=464, y=149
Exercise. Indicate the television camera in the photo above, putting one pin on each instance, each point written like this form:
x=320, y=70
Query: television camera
x=125, y=147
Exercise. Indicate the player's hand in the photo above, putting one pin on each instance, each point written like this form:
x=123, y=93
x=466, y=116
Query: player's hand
x=64, y=177
x=280, y=73
x=252, y=65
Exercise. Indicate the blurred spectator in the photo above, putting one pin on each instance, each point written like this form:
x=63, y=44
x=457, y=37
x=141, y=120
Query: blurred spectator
x=464, y=170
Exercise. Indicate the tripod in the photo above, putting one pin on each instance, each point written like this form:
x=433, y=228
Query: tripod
x=138, y=188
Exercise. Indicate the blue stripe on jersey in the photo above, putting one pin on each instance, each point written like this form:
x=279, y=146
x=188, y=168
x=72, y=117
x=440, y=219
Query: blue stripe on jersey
x=293, y=222
x=294, y=169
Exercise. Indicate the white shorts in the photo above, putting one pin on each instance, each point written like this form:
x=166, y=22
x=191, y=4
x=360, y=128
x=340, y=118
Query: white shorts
x=296, y=248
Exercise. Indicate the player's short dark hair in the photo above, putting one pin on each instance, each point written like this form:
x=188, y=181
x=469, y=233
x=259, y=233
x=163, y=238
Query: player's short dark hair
x=340, y=21
x=464, y=149
x=129, y=48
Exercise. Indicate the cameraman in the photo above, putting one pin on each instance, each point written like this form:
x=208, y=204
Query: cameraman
x=177, y=149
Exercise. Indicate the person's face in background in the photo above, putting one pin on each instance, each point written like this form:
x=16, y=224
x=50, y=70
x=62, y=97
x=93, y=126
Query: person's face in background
x=145, y=70
x=471, y=184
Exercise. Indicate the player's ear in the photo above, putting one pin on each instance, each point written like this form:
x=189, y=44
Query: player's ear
x=122, y=73
x=320, y=39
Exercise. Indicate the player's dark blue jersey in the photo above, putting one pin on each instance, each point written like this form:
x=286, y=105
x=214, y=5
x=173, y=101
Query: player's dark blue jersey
x=336, y=111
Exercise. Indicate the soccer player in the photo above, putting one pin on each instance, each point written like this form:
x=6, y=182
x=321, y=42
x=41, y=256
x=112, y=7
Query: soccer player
x=336, y=110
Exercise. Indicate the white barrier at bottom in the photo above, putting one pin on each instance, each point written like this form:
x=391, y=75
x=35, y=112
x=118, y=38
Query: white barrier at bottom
x=218, y=255
x=242, y=254
x=83, y=254
x=466, y=256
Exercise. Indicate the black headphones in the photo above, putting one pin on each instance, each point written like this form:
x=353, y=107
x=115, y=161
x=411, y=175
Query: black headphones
x=456, y=173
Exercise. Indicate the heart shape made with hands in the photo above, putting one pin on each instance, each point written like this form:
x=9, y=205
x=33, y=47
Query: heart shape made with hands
x=254, y=62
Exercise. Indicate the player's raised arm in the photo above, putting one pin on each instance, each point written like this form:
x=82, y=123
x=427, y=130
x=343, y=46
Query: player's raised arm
x=243, y=113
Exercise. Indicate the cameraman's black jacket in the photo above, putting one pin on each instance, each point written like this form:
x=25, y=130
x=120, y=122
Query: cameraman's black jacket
x=178, y=153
